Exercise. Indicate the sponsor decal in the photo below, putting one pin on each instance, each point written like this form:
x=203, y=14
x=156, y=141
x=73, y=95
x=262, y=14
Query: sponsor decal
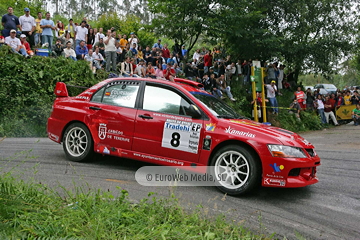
x=274, y=176
x=172, y=117
x=210, y=127
x=158, y=159
x=232, y=131
x=81, y=97
x=107, y=94
x=244, y=122
x=106, y=151
x=274, y=182
x=276, y=167
x=102, y=131
x=181, y=135
x=115, y=132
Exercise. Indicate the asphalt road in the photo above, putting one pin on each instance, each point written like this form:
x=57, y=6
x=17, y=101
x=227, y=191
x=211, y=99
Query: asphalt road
x=329, y=209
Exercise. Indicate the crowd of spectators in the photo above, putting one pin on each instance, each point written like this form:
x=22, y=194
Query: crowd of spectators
x=126, y=56
x=325, y=104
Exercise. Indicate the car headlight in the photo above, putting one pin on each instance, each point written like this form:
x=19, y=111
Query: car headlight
x=286, y=151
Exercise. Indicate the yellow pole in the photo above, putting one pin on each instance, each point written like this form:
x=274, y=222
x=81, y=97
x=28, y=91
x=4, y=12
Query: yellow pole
x=263, y=103
x=253, y=87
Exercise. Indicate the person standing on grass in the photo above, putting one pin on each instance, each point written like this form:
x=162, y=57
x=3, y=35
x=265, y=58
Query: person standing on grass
x=110, y=50
x=271, y=90
x=319, y=103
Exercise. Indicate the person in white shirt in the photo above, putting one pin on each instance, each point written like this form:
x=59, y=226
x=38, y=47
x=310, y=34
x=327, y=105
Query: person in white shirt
x=238, y=69
x=94, y=64
x=133, y=39
x=81, y=33
x=69, y=52
x=271, y=94
x=127, y=68
x=98, y=35
x=15, y=43
x=110, y=50
x=28, y=25
x=196, y=55
x=98, y=56
x=229, y=72
x=280, y=78
x=140, y=69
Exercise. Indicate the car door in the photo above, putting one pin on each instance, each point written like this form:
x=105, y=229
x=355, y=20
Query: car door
x=112, y=115
x=163, y=127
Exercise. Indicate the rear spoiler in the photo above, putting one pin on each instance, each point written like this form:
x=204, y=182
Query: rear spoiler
x=61, y=90
x=189, y=82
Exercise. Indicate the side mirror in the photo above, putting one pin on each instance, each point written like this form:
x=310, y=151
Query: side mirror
x=61, y=90
x=194, y=112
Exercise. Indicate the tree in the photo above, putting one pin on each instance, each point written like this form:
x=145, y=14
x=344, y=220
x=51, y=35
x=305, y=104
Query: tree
x=183, y=20
x=313, y=34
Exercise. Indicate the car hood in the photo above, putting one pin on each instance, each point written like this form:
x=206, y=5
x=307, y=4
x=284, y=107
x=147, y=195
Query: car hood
x=284, y=136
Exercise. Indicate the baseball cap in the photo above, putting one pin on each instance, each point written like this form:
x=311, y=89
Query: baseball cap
x=26, y=9
x=22, y=36
x=13, y=30
x=159, y=39
x=131, y=33
x=273, y=81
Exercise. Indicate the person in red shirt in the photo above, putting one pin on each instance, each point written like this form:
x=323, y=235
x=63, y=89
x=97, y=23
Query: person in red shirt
x=300, y=97
x=165, y=52
x=169, y=73
x=329, y=106
x=26, y=45
x=207, y=61
x=150, y=71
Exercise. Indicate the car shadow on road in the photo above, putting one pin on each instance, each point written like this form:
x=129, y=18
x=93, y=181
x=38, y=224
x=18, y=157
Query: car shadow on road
x=263, y=193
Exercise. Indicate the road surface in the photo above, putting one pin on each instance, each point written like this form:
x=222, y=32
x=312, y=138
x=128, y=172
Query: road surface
x=329, y=209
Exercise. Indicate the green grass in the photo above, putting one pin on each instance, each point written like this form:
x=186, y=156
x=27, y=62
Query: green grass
x=34, y=211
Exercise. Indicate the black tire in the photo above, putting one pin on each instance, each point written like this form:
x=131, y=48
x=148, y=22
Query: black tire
x=237, y=170
x=77, y=143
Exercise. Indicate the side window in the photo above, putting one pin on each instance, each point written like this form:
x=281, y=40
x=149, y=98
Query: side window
x=98, y=95
x=120, y=94
x=164, y=100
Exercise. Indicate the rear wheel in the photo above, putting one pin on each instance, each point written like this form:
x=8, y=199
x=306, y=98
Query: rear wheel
x=236, y=169
x=78, y=143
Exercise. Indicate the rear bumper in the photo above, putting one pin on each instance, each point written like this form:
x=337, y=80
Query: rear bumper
x=54, y=129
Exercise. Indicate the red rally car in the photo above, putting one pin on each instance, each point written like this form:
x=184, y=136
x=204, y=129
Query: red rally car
x=179, y=124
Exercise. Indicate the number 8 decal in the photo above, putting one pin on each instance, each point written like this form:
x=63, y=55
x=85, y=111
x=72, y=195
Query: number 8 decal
x=175, y=139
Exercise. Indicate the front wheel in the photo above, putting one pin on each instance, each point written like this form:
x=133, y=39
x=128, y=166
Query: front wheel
x=236, y=169
x=78, y=143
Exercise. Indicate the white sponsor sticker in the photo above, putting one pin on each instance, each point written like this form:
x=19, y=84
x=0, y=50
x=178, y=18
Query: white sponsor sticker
x=181, y=135
x=102, y=131
x=274, y=182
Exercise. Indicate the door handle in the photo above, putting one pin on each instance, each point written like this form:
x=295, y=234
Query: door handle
x=146, y=116
x=95, y=108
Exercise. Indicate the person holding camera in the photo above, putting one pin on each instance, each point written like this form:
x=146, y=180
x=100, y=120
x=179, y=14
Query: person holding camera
x=110, y=50
x=133, y=39
x=169, y=73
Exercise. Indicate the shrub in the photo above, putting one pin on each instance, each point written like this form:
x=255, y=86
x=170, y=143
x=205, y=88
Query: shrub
x=27, y=89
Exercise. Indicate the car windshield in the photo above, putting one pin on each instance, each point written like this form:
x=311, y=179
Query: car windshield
x=216, y=106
